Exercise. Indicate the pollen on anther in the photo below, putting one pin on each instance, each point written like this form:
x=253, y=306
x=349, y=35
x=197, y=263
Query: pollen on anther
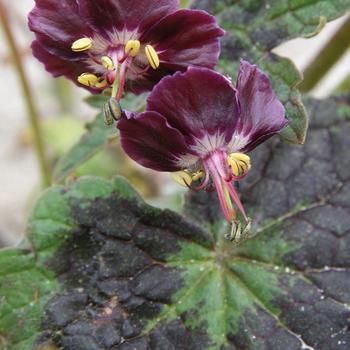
x=82, y=44
x=240, y=163
x=132, y=48
x=152, y=56
x=107, y=63
x=88, y=79
x=182, y=177
x=198, y=175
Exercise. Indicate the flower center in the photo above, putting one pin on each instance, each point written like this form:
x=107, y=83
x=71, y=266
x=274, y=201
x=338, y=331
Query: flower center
x=115, y=63
x=222, y=169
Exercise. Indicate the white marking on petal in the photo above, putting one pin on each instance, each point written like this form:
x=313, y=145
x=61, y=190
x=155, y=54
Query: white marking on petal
x=102, y=46
x=208, y=144
x=237, y=143
x=187, y=161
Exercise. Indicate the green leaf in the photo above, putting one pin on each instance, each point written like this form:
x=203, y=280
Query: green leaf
x=255, y=27
x=96, y=137
x=107, y=271
x=90, y=143
x=130, y=102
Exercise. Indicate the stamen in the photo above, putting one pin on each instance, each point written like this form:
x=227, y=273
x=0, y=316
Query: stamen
x=152, y=56
x=182, y=177
x=112, y=111
x=88, y=79
x=82, y=44
x=101, y=84
x=198, y=175
x=108, y=63
x=132, y=48
x=240, y=163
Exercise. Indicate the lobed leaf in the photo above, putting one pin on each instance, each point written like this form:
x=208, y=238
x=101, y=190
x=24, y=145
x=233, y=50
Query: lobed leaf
x=107, y=271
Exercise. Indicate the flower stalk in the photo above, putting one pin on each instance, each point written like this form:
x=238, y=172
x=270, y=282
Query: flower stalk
x=31, y=108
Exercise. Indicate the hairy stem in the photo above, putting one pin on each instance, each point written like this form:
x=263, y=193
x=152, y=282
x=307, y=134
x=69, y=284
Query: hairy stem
x=31, y=109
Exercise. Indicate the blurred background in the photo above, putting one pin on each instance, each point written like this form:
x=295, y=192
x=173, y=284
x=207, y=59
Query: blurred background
x=63, y=113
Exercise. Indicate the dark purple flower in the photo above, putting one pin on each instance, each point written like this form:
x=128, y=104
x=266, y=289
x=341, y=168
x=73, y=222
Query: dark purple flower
x=198, y=125
x=133, y=43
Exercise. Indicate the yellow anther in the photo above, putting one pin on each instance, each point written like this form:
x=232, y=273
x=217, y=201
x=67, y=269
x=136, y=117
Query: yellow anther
x=88, y=79
x=132, y=48
x=82, y=44
x=239, y=163
x=182, y=177
x=198, y=175
x=101, y=84
x=108, y=63
x=152, y=56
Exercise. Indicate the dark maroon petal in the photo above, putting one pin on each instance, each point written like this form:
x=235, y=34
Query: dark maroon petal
x=261, y=113
x=149, y=140
x=197, y=102
x=106, y=15
x=57, y=66
x=147, y=81
x=57, y=24
x=186, y=38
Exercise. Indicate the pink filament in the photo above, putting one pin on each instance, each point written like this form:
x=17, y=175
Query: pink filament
x=216, y=165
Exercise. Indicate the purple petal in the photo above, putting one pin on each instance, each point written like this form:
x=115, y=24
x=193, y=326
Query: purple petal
x=199, y=102
x=149, y=140
x=57, y=66
x=261, y=112
x=106, y=15
x=186, y=38
x=57, y=24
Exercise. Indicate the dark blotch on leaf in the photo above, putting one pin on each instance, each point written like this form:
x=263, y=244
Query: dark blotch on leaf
x=116, y=282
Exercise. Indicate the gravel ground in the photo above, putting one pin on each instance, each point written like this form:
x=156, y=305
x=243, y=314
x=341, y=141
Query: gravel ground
x=19, y=177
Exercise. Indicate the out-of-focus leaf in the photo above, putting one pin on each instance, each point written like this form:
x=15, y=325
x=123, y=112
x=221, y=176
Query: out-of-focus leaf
x=61, y=133
x=327, y=57
x=344, y=86
x=255, y=27
x=130, y=102
x=90, y=143
x=108, y=271
x=96, y=137
x=97, y=101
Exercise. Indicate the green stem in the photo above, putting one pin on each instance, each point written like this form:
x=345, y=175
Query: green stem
x=327, y=57
x=115, y=84
x=31, y=109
